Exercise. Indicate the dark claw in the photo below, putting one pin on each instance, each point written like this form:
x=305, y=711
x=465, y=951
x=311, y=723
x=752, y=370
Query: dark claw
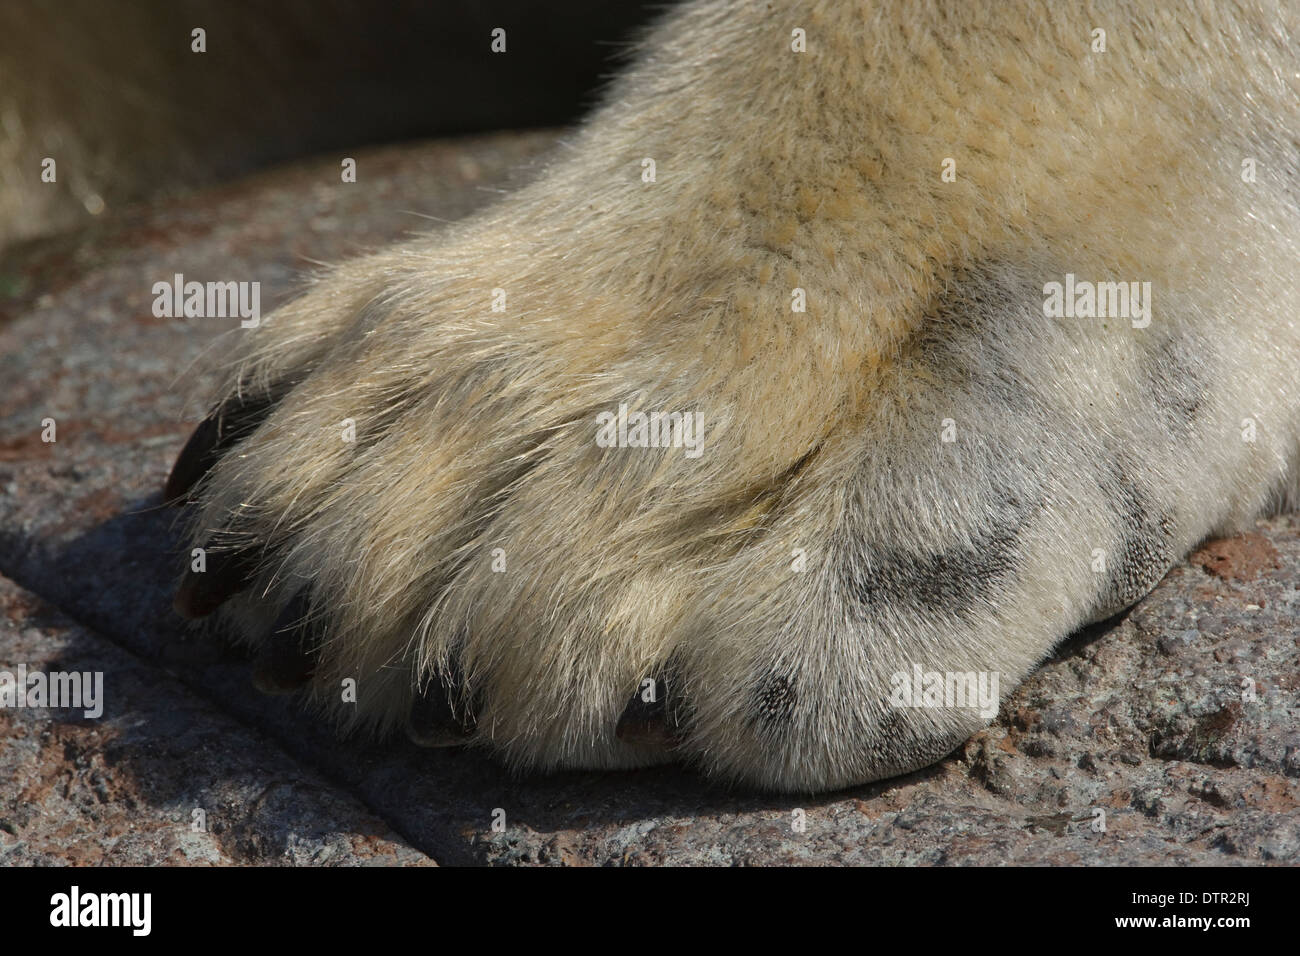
x=434, y=720
x=225, y=426
x=202, y=592
x=649, y=718
x=288, y=658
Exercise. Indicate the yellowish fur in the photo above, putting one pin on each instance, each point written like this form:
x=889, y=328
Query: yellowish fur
x=822, y=430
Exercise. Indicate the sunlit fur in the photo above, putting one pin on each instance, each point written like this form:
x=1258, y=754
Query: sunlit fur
x=827, y=537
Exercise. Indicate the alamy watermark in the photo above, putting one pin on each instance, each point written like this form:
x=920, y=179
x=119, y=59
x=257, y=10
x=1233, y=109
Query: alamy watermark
x=626, y=429
x=976, y=690
x=208, y=300
x=75, y=908
x=73, y=690
x=1079, y=298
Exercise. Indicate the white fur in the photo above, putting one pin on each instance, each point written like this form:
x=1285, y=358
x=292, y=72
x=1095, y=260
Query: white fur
x=775, y=170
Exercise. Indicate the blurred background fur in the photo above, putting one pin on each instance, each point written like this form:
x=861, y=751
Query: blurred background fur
x=112, y=91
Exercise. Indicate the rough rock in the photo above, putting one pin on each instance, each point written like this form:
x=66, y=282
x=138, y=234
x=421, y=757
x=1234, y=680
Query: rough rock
x=148, y=772
x=1179, y=722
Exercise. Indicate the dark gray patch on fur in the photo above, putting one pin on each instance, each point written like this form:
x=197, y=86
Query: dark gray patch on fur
x=952, y=580
x=970, y=317
x=775, y=699
x=1145, y=551
x=891, y=725
x=965, y=345
x=1176, y=378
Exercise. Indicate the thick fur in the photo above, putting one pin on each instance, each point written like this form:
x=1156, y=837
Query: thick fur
x=828, y=536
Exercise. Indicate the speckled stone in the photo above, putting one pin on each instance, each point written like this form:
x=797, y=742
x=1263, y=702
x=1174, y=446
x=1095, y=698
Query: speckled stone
x=146, y=771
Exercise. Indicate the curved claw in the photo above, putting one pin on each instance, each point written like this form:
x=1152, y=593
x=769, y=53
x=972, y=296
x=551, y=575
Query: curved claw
x=649, y=717
x=434, y=720
x=288, y=658
x=223, y=427
x=202, y=592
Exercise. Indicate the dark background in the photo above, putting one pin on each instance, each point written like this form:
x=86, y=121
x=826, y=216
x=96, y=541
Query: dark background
x=112, y=89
